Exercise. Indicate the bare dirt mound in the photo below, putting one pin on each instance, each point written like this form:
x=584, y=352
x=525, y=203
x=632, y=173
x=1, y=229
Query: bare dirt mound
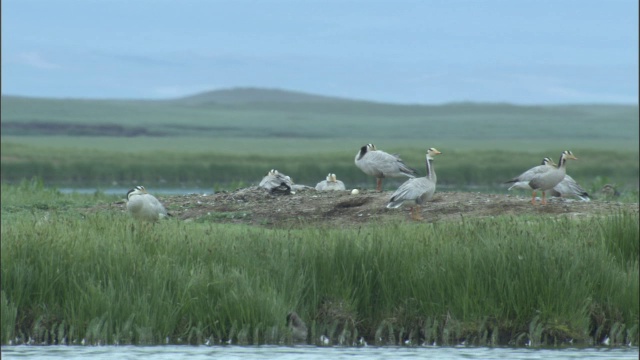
x=255, y=206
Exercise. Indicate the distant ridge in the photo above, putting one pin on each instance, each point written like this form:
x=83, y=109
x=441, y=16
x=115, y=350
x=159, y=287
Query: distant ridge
x=245, y=95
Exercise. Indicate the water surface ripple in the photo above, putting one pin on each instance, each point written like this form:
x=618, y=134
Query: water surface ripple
x=307, y=352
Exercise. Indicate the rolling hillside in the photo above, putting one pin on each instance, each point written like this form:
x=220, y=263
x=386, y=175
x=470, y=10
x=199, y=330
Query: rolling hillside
x=269, y=113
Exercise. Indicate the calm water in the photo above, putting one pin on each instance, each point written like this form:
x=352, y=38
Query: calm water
x=306, y=352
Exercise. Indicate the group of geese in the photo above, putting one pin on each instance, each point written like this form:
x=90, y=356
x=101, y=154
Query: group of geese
x=547, y=177
x=418, y=190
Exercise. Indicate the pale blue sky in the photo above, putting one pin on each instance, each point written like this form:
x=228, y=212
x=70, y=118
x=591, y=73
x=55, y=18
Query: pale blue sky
x=420, y=51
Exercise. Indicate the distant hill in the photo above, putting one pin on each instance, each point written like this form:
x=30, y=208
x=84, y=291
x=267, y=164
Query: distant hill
x=255, y=95
x=274, y=113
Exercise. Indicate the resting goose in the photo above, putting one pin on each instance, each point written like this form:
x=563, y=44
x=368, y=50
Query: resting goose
x=331, y=183
x=417, y=191
x=275, y=182
x=380, y=164
x=144, y=206
x=549, y=179
x=569, y=187
x=522, y=181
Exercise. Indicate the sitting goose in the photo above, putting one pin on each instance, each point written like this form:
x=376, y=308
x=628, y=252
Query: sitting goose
x=380, y=164
x=417, y=191
x=549, y=179
x=331, y=183
x=144, y=206
x=569, y=187
x=522, y=181
x=275, y=182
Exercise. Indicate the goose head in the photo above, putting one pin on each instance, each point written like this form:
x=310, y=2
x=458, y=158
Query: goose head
x=364, y=149
x=564, y=157
x=431, y=152
x=548, y=161
x=138, y=190
x=333, y=178
x=568, y=155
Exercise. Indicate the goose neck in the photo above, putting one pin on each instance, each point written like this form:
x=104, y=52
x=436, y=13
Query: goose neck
x=430, y=170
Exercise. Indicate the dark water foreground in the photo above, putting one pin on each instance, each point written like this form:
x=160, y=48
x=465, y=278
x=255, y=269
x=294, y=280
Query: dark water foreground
x=307, y=352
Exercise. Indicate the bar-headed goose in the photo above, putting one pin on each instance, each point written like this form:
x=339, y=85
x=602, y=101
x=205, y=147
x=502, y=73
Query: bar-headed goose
x=417, y=191
x=144, y=206
x=549, y=179
x=331, y=183
x=569, y=187
x=522, y=181
x=276, y=182
x=380, y=164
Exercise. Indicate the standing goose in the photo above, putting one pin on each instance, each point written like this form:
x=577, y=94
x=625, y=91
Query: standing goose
x=417, y=191
x=331, y=183
x=380, y=164
x=144, y=206
x=522, y=181
x=276, y=182
x=549, y=179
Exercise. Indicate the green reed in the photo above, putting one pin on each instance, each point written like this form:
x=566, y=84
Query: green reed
x=69, y=275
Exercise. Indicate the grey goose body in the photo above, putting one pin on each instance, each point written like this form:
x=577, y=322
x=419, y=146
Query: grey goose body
x=380, y=164
x=417, y=191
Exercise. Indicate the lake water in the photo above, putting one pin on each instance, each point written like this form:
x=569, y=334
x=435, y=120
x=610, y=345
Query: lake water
x=307, y=352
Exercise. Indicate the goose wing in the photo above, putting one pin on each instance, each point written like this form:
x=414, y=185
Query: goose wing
x=156, y=205
x=531, y=173
x=418, y=190
x=381, y=164
x=322, y=185
x=569, y=187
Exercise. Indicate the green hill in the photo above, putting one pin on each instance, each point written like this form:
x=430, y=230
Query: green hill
x=269, y=113
x=253, y=95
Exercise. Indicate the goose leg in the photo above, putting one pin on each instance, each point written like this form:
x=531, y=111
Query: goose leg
x=533, y=197
x=544, y=199
x=379, y=184
x=415, y=213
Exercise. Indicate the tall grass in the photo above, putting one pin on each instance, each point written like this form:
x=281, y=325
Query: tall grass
x=68, y=275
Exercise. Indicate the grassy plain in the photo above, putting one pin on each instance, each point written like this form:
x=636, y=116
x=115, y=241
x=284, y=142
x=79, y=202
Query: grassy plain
x=69, y=275
x=225, y=138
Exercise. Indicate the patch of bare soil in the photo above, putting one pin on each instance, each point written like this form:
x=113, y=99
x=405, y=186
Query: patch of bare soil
x=255, y=206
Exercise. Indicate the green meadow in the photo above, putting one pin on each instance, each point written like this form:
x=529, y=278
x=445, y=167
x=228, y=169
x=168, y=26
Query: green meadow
x=69, y=275
x=226, y=138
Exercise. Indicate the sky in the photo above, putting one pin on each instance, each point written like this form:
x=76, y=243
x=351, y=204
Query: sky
x=395, y=51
